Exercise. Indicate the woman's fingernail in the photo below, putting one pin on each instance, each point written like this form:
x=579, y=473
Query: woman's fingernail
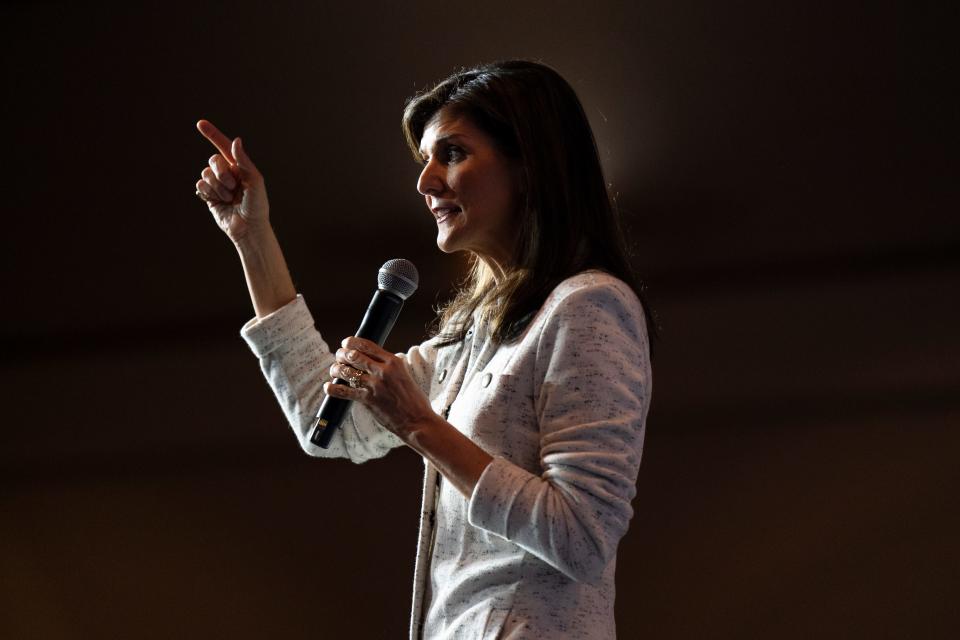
x=351, y=355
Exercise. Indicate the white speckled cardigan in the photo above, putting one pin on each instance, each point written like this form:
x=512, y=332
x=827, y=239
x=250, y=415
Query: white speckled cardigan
x=532, y=553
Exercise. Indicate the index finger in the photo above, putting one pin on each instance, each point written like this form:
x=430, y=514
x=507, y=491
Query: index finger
x=215, y=136
x=366, y=346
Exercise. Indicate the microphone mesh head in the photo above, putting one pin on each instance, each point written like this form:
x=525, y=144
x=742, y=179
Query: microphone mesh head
x=398, y=276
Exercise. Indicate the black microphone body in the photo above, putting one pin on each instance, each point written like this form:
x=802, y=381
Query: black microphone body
x=381, y=315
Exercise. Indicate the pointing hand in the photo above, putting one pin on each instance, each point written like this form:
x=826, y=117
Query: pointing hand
x=232, y=186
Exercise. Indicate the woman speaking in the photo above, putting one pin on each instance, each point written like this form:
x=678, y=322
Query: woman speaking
x=529, y=404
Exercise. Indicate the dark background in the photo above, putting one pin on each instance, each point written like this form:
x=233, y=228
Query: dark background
x=786, y=173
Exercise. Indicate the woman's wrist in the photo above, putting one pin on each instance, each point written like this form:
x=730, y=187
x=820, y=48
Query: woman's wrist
x=455, y=456
x=417, y=433
x=255, y=239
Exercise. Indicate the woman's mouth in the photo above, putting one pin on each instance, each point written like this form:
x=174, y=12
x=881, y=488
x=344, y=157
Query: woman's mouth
x=445, y=213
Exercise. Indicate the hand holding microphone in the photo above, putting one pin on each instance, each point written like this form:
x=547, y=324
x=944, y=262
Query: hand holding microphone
x=380, y=379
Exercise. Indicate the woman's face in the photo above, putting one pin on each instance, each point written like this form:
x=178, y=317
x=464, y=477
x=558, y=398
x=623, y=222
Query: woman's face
x=470, y=188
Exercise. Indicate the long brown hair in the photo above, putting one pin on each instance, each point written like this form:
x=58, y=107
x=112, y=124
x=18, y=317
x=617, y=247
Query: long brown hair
x=568, y=222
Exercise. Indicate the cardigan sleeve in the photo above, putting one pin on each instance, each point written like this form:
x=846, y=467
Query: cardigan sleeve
x=296, y=362
x=592, y=394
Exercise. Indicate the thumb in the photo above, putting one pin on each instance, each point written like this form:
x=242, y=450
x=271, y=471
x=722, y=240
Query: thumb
x=244, y=163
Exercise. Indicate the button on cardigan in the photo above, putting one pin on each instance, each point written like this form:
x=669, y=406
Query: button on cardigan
x=562, y=410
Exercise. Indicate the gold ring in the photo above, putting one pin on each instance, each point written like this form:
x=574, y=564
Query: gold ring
x=354, y=380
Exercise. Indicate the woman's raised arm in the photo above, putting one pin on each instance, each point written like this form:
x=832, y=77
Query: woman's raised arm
x=234, y=191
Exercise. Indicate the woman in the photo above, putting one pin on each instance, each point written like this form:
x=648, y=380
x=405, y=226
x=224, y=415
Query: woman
x=529, y=405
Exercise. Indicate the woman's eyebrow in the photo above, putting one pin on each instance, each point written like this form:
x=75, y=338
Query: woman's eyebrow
x=442, y=140
x=448, y=137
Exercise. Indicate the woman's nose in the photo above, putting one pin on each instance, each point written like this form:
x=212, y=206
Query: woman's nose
x=430, y=181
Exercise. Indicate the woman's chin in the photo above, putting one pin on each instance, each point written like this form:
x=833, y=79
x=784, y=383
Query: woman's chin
x=447, y=244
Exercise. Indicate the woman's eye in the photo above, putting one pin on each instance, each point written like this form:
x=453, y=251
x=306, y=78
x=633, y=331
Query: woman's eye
x=453, y=154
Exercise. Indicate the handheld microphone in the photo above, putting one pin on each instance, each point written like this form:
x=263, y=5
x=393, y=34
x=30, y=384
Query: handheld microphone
x=396, y=281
